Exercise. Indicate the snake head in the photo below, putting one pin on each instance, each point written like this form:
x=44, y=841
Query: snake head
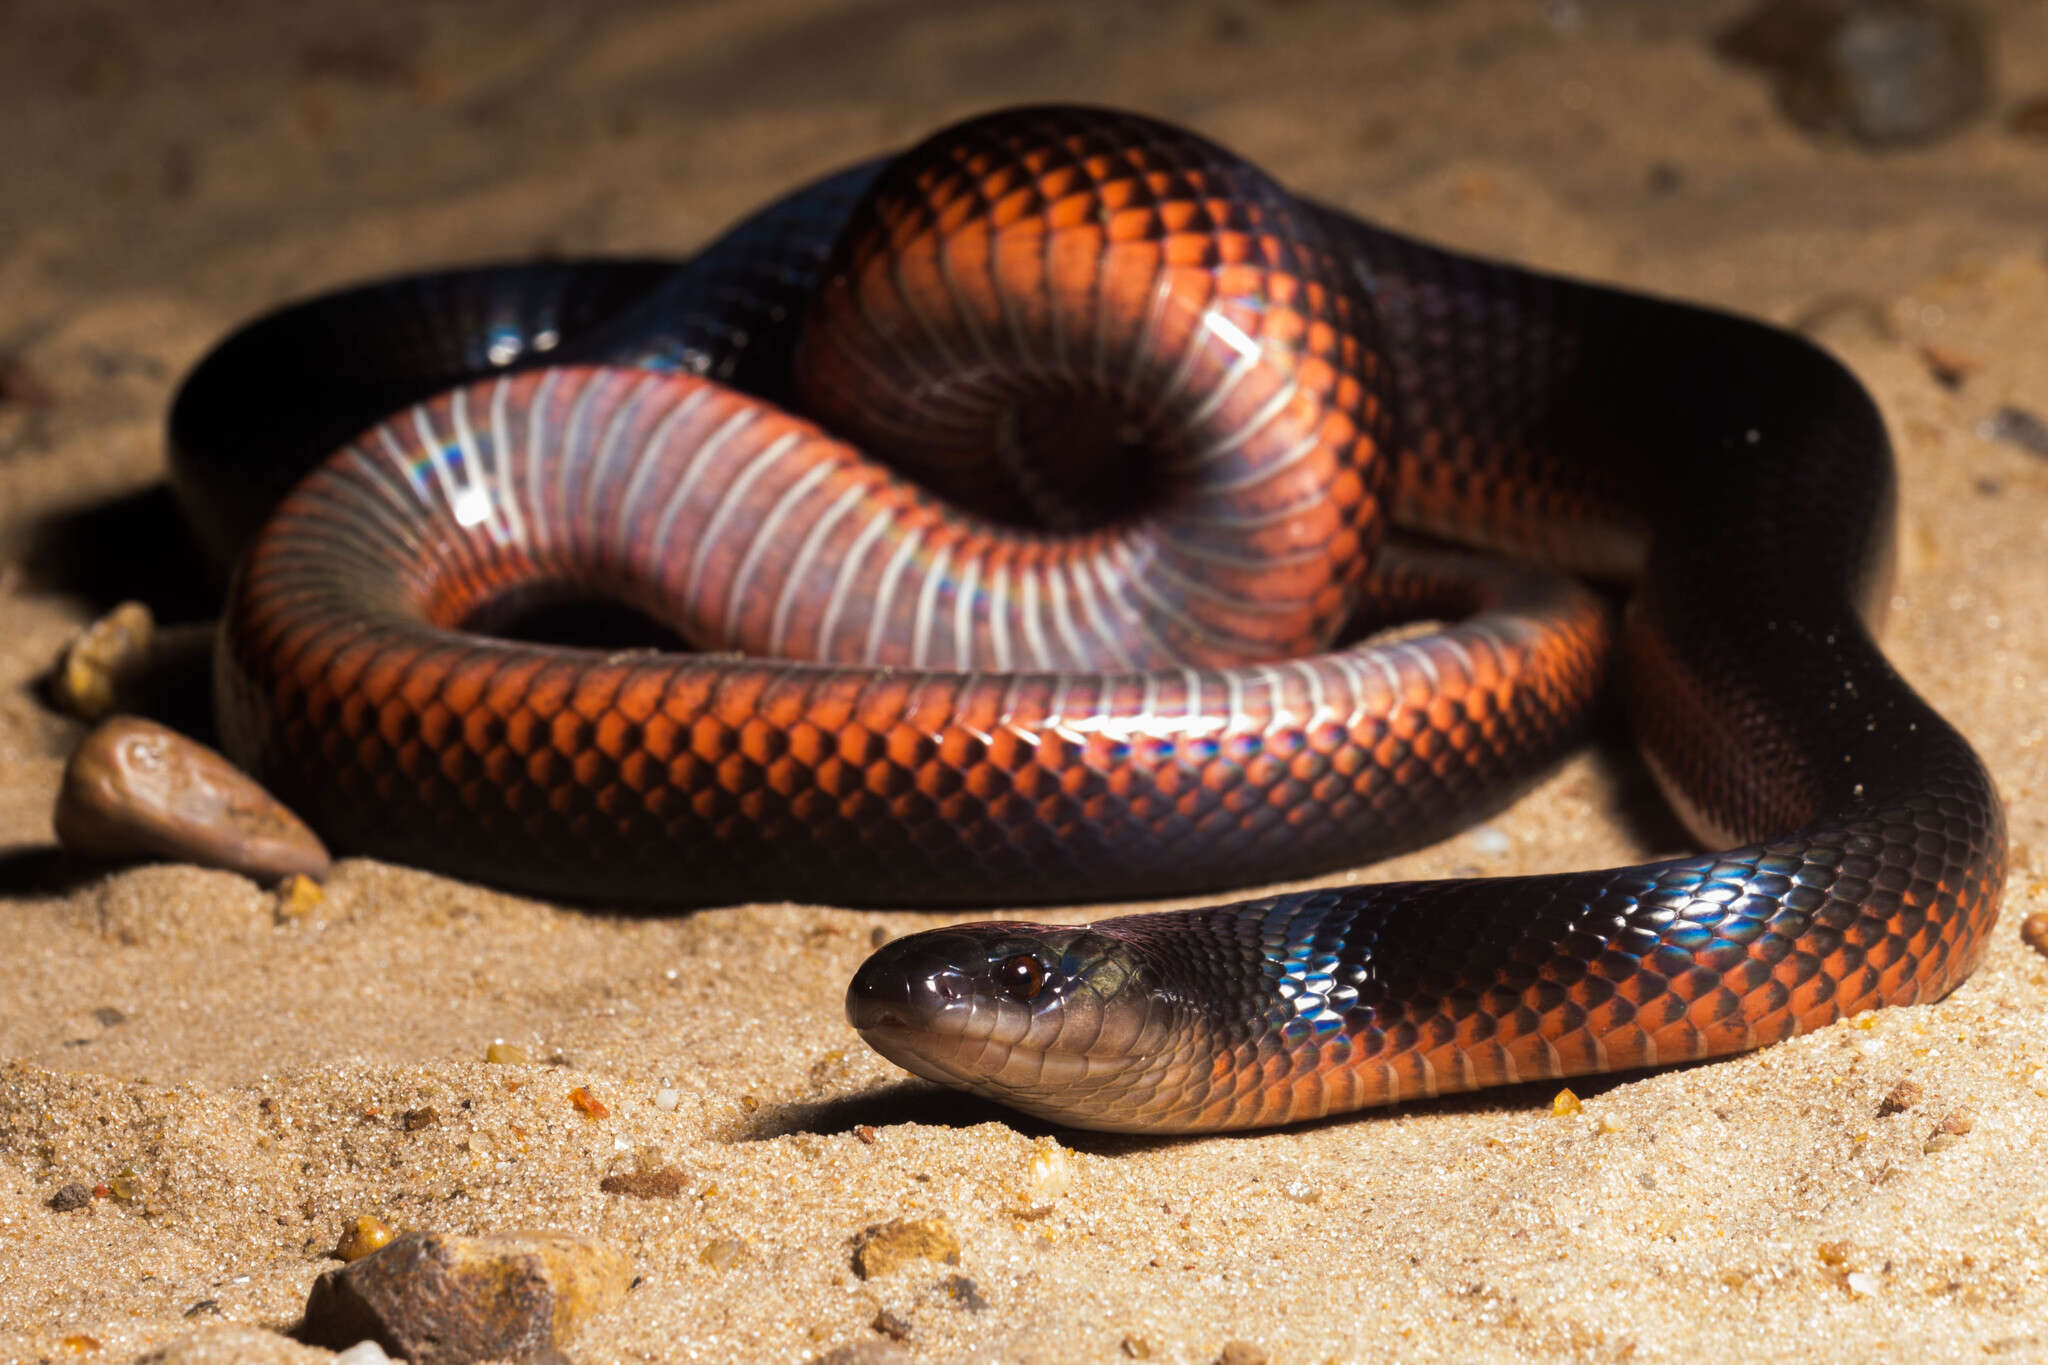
x=1069, y=1023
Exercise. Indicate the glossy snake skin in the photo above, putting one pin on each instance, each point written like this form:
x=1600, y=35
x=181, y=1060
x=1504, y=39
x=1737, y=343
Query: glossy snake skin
x=1143, y=410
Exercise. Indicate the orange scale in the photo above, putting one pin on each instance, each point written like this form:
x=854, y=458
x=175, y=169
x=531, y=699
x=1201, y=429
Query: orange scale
x=710, y=738
x=590, y=768
x=885, y=779
x=1188, y=252
x=396, y=723
x=761, y=741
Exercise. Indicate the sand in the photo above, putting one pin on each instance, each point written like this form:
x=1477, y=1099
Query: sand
x=241, y=1077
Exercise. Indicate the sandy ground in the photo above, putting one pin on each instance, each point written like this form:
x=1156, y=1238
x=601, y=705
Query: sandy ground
x=172, y=168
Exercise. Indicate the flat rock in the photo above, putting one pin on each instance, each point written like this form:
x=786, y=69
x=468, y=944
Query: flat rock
x=136, y=789
x=882, y=1247
x=1883, y=72
x=437, y=1299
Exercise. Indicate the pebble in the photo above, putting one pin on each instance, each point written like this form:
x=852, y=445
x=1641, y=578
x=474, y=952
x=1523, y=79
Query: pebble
x=1949, y=1130
x=436, y=1299
x=72, y=1196
x=2016, y=427
x=2034, y=931
x=363, y=1353
x=1949, y=367
x=1491, y=840
x=297, y=897
x=100, y=666
x=136, y=789
x=1049, y=1173
x=963, y=1292
x=662, y=1182
x=1240, y=1353
x=883, y=1247
x=367, y=1234
x=1883, y=72
x=1903, y=1096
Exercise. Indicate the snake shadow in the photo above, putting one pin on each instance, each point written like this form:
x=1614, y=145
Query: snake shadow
x=28, y=870
x=134, y=547
x=931, y=1105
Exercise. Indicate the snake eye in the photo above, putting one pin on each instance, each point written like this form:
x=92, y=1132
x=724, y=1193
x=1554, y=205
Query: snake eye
x=1023, y=976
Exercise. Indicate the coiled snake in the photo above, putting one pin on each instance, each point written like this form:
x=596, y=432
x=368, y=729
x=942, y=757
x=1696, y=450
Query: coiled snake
x=1100, y=629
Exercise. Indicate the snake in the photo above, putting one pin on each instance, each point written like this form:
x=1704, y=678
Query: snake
x=1042, y=515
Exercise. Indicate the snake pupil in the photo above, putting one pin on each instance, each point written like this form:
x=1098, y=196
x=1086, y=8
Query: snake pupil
x=1023, y=976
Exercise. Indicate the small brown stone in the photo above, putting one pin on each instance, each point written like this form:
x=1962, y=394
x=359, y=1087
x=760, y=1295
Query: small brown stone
x=136, y=789
x=2034, y=931
x=1948, y=366
x=882, y=1247
x=1240, y=1353
x=1951, y=1128
x=101, y=664
x=72, y=1196
x=891, y=1326
x=962, y=1292
x=412, y=1120
x=663, y=1182
x=439, y=1300
x=1902, y=1097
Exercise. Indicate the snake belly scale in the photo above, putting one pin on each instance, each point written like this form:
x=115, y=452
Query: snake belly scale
x=1100, y=628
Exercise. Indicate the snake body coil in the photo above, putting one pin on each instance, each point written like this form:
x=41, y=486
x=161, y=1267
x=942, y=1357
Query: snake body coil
x=1144, y=409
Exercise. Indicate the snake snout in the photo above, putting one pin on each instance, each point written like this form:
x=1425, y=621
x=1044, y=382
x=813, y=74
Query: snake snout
x=908, y=990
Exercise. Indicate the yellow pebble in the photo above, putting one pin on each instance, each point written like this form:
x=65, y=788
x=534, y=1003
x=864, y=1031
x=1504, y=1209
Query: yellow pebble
x=362, y=1237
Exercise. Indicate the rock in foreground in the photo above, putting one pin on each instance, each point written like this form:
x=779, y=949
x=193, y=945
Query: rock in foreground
x=137, y=789
x=441, y=1300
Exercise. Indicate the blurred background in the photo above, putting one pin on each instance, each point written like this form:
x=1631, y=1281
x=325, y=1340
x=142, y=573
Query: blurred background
x=170, y=169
